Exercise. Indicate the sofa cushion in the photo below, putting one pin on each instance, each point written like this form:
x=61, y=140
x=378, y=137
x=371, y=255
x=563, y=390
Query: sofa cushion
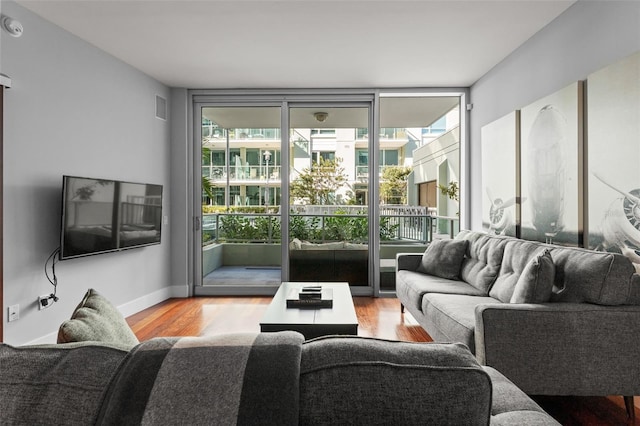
x=511, y=406
x=96, y=319
x=517, y=254
x=443, y=258
x=536, y=281
x=227, y=379
x=594, y=277
x=55, y=384
x=412, y=286
x=481, y=264
x=451, y=317
x=374, y=381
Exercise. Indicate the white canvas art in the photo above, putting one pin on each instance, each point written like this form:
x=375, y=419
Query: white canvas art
x=551, y=150
x=613, y=97
x=500, y=175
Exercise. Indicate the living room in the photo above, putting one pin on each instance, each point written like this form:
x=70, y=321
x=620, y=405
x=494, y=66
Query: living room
x=74, y=109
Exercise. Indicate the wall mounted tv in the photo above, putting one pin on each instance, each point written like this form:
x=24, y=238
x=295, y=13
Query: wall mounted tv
x=102, y=216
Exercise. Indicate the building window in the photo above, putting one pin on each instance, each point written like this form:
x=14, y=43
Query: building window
x=325, y=155
x=315, y=132
x=389, y=157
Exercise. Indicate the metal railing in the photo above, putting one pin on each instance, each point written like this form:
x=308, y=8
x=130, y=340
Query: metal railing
x=242, y=173
x=321, y=228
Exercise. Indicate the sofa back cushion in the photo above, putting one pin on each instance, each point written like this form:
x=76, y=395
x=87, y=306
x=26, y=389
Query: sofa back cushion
x=377, y=381
x=595, y=277
x=482, y=261
x=55, y=384
x=536, y=282
x=225, y=379
x=443, y=258
x=517, y=254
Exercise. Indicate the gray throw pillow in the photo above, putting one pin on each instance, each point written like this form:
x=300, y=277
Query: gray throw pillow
x=96, y=319
x=536, y=281
x=443, y=258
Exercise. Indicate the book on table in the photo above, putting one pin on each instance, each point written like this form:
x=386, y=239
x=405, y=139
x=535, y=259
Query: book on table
x=312, y=298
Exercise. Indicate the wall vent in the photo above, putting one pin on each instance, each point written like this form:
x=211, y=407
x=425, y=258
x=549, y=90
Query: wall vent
x=161, y=108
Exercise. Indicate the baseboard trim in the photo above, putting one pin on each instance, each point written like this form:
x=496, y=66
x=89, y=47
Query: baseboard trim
x=129, y=308
x=148, y=300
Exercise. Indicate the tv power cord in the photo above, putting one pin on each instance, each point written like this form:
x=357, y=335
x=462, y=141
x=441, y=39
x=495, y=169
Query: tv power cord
x=49, y=299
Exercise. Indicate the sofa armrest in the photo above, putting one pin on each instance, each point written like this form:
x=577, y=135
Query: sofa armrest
x=562, y=348
x=408, y=261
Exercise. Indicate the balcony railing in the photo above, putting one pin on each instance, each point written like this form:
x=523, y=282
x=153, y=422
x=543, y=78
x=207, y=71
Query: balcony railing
x=320, y=228
x=362, y=172
x=242, y=173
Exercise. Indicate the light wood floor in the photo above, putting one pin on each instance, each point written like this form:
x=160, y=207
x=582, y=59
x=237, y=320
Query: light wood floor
x=377, y=317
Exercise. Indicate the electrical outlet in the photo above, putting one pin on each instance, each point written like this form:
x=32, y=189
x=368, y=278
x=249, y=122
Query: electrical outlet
x=44, y=302
x=14, y=312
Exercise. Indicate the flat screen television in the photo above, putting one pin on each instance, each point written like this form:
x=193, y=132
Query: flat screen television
x=104, y=215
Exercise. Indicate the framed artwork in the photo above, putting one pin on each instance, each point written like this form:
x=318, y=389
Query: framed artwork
x=551, y=161
x=613, y=158
x=501, y=175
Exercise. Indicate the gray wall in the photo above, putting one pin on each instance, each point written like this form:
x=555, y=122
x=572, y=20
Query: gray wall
x=73, y=109
x=587, y=37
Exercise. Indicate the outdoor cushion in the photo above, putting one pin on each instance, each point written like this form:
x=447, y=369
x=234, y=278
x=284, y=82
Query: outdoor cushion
x=536, y=281
x=96, y=319
x=443, y=258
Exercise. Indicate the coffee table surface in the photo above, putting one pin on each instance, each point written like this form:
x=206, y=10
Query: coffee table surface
x=312, y=322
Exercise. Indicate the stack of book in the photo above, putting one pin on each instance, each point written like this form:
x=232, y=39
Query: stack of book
x=310, y=297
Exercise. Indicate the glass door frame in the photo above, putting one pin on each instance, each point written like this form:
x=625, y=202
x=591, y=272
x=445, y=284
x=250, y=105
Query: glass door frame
x=285, y=99
x=373, y=186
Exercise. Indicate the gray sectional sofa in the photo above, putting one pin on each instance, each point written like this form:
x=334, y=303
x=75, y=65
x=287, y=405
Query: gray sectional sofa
x=262, y=378
x=554, y=320
x=100, y=374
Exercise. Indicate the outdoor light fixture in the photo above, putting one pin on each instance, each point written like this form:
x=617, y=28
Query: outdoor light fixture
x=11, y=26
x=321, y=116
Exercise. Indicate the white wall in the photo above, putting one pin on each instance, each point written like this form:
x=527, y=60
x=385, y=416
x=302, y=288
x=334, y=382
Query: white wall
x=73, y=109
x=587, y=37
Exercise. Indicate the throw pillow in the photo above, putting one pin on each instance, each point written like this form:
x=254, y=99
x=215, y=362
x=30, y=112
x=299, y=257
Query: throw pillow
x=96, y=319
x=443, y=258
x=536, y=281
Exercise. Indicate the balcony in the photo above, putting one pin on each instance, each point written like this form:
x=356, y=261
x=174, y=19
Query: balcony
x=245, y=173
x=254, y=240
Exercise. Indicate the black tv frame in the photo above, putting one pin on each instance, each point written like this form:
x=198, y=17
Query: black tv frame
x=130, y=224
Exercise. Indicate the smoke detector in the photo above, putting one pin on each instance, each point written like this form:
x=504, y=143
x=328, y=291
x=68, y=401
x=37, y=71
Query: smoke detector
x=11, y=26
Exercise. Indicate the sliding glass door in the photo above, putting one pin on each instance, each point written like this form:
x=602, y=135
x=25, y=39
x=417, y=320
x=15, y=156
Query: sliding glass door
x=321, y=187
x=328, y=194
x=241, y=187
x=419, y=172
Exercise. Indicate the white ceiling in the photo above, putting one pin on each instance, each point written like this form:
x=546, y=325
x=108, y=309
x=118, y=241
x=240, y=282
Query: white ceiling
x=305, y=43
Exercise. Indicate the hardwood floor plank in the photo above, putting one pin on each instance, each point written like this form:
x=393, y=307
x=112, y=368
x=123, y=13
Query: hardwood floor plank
x=377, y=317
